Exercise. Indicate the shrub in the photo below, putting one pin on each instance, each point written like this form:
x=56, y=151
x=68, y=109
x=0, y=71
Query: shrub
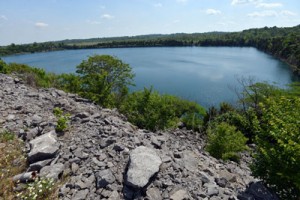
x=68, y=82
x=62, y=120
x=6, y=136
x=3, y=67
x=35, y=77
x=277, y=160
x=148, y=109
x=225, y=142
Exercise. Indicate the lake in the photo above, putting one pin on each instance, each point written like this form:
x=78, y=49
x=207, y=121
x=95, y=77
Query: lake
x=206, y=75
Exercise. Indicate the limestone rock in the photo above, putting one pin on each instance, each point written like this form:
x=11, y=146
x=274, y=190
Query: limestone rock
x=25, y=177
x=38, y=165
x=43, y=147
x=104, y=178
x=144, y=163
x=179, y=194
x=80, y=195
x=53, y=171
x=257, y=191
x=154, y=194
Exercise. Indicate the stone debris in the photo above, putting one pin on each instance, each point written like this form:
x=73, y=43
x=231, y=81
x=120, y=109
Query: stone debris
x=102, y=156
x=143, y=164
x=43, y=147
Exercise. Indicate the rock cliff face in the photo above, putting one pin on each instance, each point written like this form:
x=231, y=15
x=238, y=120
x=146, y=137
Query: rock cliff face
x=105, y=157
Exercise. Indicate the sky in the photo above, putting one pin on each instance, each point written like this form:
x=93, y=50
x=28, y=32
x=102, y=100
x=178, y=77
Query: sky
x=27, y=21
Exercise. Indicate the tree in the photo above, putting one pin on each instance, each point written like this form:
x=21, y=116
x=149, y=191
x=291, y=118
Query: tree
x=277, y=160
x=105, y=79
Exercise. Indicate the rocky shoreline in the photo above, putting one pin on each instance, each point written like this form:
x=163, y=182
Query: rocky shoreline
x=103, y=156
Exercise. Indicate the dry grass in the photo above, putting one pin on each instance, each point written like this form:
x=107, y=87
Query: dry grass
x=12, y=162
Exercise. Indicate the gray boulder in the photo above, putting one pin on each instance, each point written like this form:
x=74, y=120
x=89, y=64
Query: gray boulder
x=179, y=194
x=104, y=178
x=144, y=163
x=43, y=147
x=257, y=190
x=53, y=171
x=38, y=165
x=24, y=177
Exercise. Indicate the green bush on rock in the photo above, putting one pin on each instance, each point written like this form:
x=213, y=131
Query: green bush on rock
x=62, y=120
x=225, y=142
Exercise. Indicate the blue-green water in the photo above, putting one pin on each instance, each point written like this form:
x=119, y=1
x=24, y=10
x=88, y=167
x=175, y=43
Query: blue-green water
x=203, y=74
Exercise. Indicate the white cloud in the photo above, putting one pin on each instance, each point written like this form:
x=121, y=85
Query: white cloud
x=211, y=11
x=3, y=17
x=41, y=24
x=272, y=13
x=158, y=5
x=265, y=13
x=182, y=1
x=240, y=2
x=288, y=13
x=92, y=22
x=107, y=16
x=268, y=5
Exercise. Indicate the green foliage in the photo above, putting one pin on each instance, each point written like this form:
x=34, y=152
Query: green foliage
x=3, y=67
x=277, y=160
x=40, y=189
x=104, y=79
x=35, y=77
x=6, y=136
x=62, y=119
x=294, y=89
x=148, y=109
x=225, y=142
x=68, y=82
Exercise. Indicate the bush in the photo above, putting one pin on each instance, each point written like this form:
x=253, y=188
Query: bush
x=3, y=67
x=277, y=160
x=148, y=109
x=62, y=120
x=68, y=82
x=224, y=142
x=34, y=77
x=6, y=136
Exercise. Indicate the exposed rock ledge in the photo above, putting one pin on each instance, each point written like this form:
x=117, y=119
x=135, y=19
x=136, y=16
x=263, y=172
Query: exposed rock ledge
x=100, y=147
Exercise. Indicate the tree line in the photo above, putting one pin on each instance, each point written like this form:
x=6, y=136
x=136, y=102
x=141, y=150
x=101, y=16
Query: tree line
x=283, y=43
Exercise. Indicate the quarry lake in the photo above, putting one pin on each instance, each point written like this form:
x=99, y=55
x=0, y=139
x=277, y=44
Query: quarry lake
x=206, y=75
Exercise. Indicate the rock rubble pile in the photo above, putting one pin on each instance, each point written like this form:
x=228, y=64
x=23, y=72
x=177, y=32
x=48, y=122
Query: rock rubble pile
x=103, y=156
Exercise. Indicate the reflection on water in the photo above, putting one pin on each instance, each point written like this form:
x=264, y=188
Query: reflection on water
x=202, y=74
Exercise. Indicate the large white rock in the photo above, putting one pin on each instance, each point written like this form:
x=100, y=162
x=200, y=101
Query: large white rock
x=43, y=147
x=144, y=163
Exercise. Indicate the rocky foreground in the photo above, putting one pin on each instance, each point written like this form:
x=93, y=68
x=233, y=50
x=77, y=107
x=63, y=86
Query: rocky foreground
x=103, y=156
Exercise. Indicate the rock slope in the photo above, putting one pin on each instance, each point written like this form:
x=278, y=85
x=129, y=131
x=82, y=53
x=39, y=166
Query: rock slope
x=105, y=157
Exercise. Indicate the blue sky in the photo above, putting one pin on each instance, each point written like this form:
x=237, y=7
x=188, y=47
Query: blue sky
x=26, y=21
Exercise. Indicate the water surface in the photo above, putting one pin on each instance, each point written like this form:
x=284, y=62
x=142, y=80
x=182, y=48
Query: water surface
x=203, y=74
